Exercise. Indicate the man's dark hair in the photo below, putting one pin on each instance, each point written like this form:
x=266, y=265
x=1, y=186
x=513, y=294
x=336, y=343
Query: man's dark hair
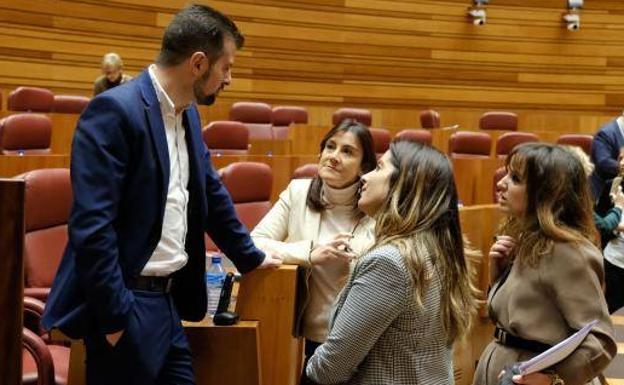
x=197, y=28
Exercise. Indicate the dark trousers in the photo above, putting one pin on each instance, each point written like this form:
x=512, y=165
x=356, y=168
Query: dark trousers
x=152, y=349
x=614, y=280
x=310, y=348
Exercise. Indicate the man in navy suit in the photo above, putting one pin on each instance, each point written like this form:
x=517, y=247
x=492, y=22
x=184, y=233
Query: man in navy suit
x=144, y=194
x=605, y=154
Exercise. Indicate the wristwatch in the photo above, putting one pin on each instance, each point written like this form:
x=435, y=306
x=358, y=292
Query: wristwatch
x=556, y=380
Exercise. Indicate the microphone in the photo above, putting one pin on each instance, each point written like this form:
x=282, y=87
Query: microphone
x=222, y=315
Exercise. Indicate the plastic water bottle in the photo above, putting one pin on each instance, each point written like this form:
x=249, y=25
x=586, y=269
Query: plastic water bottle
x=215, y=276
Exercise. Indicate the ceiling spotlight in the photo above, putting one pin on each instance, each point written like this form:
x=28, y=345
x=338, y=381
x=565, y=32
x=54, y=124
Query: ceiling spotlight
x=575, y=4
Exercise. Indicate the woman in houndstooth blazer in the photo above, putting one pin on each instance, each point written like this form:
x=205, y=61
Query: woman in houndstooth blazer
x=409, y=298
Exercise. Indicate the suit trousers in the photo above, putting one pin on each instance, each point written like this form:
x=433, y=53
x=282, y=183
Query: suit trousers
x=614, y=282
x=152, y=349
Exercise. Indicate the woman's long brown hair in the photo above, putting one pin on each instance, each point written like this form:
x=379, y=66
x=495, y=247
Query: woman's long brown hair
x=420, y=218
x=558, y=201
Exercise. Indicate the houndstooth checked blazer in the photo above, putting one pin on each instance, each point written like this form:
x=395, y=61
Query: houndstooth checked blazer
x=379, y=335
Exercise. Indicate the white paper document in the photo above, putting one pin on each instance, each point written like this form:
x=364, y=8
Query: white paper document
x=557, y=352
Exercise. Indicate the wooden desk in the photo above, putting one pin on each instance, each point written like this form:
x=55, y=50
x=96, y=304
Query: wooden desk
x=306, y=139
x=475, y=179
x=479, y=224
x=269, y=297
x=269, y=147
x=12, y=165
x=225, y=352
x=63, y=128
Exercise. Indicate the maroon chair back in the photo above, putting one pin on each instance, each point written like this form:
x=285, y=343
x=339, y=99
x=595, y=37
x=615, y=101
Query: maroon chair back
x=582, y=141
x=284, y=116
x=506, y=142
x=381, y=140
x=25, y=134
x=429, y=119
x=416, y=135
x=498, y=175
x=226, y=137
x=48, y=200
x=499, y=120
x=31, y=99
x=307, y=171
x=258, y=118
x=249, y=184
x=470, y=144
x=359, y=114
x=70, y=104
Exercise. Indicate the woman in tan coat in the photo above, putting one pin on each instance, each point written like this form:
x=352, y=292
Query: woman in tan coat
x=546, y=271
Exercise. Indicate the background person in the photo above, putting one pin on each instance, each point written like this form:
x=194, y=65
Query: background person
x=112, y=74
x=546, y=271
x=316, y=224
x=145, y=192
x=409, y=298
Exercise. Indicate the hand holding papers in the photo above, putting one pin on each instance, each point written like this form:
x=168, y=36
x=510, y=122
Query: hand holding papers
x=548, y=358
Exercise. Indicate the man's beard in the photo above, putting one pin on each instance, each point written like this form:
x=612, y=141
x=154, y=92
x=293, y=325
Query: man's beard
x=200, y=97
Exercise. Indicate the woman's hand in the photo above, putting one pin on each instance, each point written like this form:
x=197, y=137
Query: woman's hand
x=533, y=379
x=501, y=249
x=618, y=198
x=530, y=379
x=337, y=249
x=499, y=255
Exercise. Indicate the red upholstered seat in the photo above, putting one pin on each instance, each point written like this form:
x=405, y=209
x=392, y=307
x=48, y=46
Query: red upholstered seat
x=582, y=141
x=361, y=115
x=226, y=137
x=307, y=171
x=31, y=99
x=48, y=199
x=70, y=104
x=258, y=118
x=499, y=120
x=506, y=142
x=249, y=184
x=43, y=362
x=284, y=116
x=25, y=134
x=429, y=119
x=381, y=140
x=415, y=135
x=470, y=144
x=498, y=175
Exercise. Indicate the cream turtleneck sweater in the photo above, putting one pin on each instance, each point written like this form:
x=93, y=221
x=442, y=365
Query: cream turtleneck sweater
x=327, y=280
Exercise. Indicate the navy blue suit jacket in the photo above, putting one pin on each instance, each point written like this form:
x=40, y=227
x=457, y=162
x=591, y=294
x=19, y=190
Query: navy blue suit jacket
x=605, y=152
x=120, y=176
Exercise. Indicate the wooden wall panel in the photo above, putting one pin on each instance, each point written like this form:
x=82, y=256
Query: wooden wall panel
x=393, y=57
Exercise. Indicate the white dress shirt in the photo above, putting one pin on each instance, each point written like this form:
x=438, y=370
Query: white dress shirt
x=169, y=255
